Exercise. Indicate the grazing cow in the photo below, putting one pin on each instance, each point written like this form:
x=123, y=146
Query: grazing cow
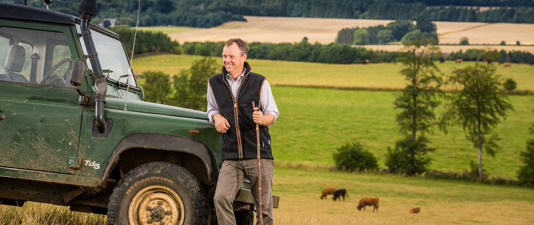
x=367, y=61
x=459, y=60
x=340, y=193
x=368, y=201
x=415, y=210
x=507, y=64
x=327, y=191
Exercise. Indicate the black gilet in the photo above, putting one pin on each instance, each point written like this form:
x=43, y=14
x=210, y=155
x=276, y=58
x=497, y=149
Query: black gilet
x=239, y=142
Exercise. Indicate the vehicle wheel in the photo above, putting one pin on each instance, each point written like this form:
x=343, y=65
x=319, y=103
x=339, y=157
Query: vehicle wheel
x=244, y=217
x=158, y=193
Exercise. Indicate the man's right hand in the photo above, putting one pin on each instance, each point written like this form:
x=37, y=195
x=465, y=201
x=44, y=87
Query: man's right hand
x=221, y=124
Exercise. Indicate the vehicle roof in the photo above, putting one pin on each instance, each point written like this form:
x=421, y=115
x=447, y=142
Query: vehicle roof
x=23, y=12
x=29, y=13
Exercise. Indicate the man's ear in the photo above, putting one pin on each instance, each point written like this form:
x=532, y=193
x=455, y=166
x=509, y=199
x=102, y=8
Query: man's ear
x=245, y=56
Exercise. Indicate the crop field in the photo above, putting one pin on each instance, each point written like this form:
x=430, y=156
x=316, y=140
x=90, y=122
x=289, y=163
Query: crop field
x=324, y=30
x=314, y=121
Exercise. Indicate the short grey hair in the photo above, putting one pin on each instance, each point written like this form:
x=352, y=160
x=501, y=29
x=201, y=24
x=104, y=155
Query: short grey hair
x=240, y=43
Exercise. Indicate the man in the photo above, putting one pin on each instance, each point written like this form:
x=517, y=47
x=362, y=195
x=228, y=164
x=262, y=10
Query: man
x=230, y=96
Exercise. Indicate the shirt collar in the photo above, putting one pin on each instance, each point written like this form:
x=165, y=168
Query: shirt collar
x=240, y=76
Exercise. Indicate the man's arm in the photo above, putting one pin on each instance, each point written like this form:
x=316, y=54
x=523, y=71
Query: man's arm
x=221, y=124
x=269, y=110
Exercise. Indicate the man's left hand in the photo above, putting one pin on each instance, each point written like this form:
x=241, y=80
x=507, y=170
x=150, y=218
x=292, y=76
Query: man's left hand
x=258, y=117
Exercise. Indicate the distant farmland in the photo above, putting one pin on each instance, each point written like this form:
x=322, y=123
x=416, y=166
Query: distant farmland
x=324, y=30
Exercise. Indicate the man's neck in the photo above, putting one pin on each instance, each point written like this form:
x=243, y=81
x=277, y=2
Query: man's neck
x=236, y=76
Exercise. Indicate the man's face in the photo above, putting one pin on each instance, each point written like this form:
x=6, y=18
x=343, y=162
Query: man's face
x=233, y=59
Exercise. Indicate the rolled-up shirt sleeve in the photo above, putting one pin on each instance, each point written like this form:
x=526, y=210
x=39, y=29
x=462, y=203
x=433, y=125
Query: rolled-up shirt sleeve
x=212, y=108
x=268, y=104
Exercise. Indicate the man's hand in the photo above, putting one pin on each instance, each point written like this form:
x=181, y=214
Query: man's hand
x=257, y=116
x=221, y=124
x=263, y=119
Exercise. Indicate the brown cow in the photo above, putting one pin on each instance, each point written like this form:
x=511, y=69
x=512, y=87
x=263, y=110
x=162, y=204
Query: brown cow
x=459, y=60
x=415, y=210
x=507, y=64
x=368, y=201
x=327, y=191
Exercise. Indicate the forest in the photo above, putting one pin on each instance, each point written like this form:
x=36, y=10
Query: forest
x=210, y=13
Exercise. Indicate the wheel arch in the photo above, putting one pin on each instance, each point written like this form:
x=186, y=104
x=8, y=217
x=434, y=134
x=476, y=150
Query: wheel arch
x=140, y=148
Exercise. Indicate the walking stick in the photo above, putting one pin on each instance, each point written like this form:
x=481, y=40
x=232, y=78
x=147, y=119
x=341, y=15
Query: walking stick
x=259, y=162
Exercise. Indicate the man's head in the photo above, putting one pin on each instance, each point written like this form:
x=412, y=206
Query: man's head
x=234, y=55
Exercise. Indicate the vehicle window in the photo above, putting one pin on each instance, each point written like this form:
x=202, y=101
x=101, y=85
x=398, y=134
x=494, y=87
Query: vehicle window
x=112, y=57
x=34, y=57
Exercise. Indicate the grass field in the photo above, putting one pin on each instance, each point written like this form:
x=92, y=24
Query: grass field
x=441, y=202
x=380, y=75
x=314, y=121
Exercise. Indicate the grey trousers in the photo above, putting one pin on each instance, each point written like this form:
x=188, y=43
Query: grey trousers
x=232, y=176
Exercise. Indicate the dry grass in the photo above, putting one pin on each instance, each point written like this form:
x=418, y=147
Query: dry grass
x=46, y=214
x=324, y=30
x=441, y=202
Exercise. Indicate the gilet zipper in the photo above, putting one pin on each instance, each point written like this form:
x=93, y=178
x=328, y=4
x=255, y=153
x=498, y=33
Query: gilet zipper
x=236, y=114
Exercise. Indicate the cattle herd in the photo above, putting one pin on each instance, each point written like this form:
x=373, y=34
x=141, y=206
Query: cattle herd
x=364, y=201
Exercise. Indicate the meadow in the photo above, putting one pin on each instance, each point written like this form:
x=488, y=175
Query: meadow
x=441, y=202
x=324, y=106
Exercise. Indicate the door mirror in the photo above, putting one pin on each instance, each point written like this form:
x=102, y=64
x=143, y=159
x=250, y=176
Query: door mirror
x=142, y=93
x=78, y=72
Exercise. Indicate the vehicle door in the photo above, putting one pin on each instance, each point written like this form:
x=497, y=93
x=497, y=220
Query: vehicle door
x=39, y=110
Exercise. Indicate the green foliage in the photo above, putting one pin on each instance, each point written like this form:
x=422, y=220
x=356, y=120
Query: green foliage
x=361, y=37
x=409, y=157
x=464, y=41
x=517, y=43
x=425, y=25
x=418, y=38
x=379, y=34
x=157, y=86
x=525, y=174
x=301, y=51
x=384, y=36
x=510, y=84
x=419, y=98
x=190, y=85
x=145, y=41
x=493, y=55
x=478, y=106
x=502, y=43
x=352, y=157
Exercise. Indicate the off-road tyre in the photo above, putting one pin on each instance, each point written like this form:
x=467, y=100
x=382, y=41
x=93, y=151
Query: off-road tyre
x=158, y=193
x=244, y=217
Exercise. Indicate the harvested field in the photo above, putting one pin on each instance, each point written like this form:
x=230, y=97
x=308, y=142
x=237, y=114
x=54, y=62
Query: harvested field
x=324, y=31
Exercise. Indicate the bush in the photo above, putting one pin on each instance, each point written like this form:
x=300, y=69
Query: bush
x=525, y=174
x=352, y=156
x=157, y=86
x=503, y=43
x=510, y=84
x=409, y=157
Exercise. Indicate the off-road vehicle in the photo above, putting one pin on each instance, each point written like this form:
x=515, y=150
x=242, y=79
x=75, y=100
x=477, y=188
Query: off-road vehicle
x=75, y=131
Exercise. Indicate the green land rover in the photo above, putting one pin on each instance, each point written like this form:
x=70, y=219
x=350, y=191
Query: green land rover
x=75, y=131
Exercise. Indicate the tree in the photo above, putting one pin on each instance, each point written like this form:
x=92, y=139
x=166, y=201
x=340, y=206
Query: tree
x=190, y=85
x=384, y=36
x=464, y=41
x=525, y=174
x=510, y=84
x=361, y=37
x=157, y=86
x=352, y=156
x=417, y=102
x=478, y=106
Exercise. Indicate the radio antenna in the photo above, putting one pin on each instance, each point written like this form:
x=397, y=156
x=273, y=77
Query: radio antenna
x=131, y=57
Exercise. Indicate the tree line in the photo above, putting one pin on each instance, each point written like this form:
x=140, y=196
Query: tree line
x=401, y=30
x=203, y=13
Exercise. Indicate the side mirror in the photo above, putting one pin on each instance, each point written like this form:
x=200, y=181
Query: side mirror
x=142, y=93
x=78, y=72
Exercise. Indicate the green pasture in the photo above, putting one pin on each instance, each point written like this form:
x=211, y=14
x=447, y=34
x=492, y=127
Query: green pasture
x=168, y=29
x=315, y=121
x=370, y=76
